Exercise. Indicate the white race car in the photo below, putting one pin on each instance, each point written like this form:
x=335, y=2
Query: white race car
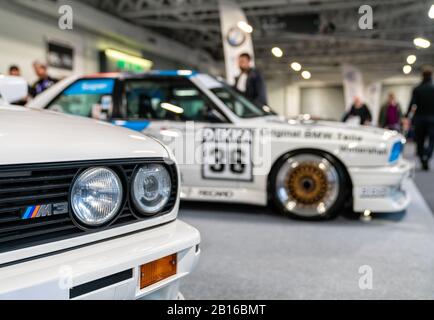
x=233, y=151
x=80, y=219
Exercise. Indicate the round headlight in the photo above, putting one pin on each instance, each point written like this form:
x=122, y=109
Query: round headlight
x=96, y=196
x=151, y=188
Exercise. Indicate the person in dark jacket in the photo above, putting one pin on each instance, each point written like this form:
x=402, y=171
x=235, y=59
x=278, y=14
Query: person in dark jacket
x=250, y=81
x=391, y=114
x=44, y=80
x=360, y=111
x=422, y=104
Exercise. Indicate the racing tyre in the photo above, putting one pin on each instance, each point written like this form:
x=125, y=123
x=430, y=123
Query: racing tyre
x=309, y=186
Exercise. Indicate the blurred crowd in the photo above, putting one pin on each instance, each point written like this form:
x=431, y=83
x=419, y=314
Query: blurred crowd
x=417, y=122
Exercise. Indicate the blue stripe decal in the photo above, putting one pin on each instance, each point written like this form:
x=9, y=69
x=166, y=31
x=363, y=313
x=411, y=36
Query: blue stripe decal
x=28, y=213
x=91, y=86
x=396, y=152
x=133, y=125
x=174, y=73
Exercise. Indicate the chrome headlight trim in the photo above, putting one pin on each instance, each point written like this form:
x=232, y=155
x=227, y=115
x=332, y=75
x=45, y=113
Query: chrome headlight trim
x=104, y=193
x=151, y=188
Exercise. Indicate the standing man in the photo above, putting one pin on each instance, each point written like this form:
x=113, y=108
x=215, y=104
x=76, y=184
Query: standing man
x=44, y=80
x=423, y=119
x=250, y=81
x=359, y=113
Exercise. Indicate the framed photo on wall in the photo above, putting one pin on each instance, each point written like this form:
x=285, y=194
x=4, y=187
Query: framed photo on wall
x=60, y=55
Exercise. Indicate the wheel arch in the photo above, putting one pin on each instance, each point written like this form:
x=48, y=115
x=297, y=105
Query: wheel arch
x=308, y=150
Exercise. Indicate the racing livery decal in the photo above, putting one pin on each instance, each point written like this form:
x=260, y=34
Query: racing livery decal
x=364, y=150
x=216, y=194
x=315, y=134
x=227, y=154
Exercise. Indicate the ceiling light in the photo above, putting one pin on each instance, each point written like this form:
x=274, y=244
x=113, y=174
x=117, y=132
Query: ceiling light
x=421, y=43
x=431, y=12
x=306, y=75
x=243, y=25
x=296, y=66
x=407, y=69
x=277, y=52
x=411, y=59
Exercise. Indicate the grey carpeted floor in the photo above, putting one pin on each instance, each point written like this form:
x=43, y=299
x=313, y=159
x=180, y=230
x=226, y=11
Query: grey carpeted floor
x=424, y=180
x=250, y=253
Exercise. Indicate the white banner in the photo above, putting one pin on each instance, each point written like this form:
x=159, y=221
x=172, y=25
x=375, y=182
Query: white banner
x=355, y=87
x=353, y=84
x=235, y=40
x=373, y=100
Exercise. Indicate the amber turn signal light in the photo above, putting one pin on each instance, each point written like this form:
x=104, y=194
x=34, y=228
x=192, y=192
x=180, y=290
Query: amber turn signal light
x=158, y=270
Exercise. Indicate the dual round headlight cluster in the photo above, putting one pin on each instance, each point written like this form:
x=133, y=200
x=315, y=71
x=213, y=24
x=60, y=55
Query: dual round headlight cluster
x=97, y=194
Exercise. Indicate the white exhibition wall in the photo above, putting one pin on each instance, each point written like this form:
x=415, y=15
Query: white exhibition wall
x=23, y=40
x=323, y=102
x=277, y=96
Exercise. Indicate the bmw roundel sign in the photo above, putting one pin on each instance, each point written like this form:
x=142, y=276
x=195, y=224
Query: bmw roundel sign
x=236, y=37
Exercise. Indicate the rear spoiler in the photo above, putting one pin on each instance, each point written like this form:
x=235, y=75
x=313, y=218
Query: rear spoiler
x=12, y=89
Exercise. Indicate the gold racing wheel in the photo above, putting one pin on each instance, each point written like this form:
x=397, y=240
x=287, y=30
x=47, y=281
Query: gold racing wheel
x=308, y=186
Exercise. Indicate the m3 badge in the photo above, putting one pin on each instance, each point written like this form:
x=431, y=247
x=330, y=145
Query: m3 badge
x=45, y=210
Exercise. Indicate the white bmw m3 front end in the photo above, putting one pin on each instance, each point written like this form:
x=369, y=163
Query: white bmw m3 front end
x=88, y=211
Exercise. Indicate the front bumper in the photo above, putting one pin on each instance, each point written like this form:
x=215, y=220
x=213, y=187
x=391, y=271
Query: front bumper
x=381, y=189
x=93, y=269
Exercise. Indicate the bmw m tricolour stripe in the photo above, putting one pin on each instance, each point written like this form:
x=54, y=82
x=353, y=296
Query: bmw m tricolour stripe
x=31, y=212
x=46, y=210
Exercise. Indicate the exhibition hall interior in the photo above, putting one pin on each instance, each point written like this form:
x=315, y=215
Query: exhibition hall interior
x=216, y=150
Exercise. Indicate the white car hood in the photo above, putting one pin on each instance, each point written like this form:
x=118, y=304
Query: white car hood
x=33, y=136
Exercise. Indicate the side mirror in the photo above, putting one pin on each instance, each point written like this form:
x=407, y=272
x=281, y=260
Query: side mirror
x=12, y=89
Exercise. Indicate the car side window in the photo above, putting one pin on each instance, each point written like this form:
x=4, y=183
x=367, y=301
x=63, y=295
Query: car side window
x=168, y=99
x=91, y=98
